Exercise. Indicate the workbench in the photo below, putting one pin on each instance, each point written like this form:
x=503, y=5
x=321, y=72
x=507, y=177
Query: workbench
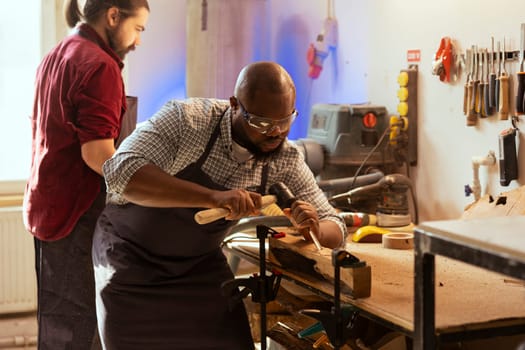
x=470, y=302
x=495, y=244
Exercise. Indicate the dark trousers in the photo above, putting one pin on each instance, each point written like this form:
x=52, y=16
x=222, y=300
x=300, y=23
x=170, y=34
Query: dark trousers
x=66, y=288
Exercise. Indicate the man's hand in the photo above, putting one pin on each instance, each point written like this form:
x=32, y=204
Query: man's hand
x=240, y=203
x=304, y=218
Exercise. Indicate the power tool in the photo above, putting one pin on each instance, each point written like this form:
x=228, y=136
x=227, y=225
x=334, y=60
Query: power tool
x=392, y=212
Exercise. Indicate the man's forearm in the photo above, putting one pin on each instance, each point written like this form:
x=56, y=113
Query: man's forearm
x=151, y=186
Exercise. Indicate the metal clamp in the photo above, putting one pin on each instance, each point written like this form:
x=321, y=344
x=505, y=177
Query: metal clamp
x=338, y=323
x=263, y=288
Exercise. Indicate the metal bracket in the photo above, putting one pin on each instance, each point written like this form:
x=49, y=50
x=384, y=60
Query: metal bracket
x=263, y=288
x=339, y=322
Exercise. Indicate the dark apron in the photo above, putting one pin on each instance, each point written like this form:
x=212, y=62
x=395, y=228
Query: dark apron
x=165, y=274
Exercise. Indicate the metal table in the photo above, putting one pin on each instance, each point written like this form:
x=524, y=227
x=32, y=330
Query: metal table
x=496, y=244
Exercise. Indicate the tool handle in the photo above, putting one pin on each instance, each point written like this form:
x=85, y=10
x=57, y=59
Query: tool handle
x=503, y=112
x=474, y=96
x=485, y=106
x=479, y=100
x=520, y=108
x=471, y=115
x=492, y=91
x=469, y=88
x=466, y=99
x=209, y=215
x=496, y=93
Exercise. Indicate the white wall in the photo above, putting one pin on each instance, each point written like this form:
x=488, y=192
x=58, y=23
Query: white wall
x=155, y=71
x=446, y=144
x=374, y=37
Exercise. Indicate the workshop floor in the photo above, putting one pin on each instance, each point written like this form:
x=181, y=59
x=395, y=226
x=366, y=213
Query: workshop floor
x=19, y=331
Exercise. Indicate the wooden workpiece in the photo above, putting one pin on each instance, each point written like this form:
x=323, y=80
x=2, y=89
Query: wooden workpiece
x=294, y=253
x=467, y=297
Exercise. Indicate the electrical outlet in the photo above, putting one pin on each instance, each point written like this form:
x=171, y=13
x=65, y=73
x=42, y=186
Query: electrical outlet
x=407, y=108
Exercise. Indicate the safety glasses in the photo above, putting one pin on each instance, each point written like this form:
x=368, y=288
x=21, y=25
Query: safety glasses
x=267, y=125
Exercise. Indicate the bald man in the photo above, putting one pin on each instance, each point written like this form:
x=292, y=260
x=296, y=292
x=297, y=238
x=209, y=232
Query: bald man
x=158, y=272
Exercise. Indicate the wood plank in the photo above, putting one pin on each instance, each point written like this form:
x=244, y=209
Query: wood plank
x=294, y=253
x=507, y=203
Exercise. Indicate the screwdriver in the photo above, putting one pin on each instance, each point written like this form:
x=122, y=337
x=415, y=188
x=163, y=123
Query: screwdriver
x=480, y=98
x=473, y=87
x=503, y=89
x=466, y=96
x=496, y=88
x=492, y=81
x=486, y=110
x=520, y=102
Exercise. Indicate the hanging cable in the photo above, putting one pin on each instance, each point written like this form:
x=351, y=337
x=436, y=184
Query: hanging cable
x=330, y=13
x=358, y=171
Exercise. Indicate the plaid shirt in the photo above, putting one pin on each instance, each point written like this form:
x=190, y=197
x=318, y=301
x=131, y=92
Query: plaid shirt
x=177, y=135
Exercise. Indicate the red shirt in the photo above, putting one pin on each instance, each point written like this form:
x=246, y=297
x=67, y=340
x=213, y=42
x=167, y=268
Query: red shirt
x=79, y=97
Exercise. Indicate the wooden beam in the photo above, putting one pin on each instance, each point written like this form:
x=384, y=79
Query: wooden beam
x=295, y=254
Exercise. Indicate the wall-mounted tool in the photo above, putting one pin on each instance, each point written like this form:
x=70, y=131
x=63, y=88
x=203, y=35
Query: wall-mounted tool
x=486, y=109
x=508, y=160
x=503, y=111
x=480, y=98
x=444, y=64
x=520, y=96
x=497, y=86
x=467, y=89
x=472, y=116
x=492, y=80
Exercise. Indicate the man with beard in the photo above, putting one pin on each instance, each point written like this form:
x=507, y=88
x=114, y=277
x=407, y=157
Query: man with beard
x=78, y=107
x=158, y=272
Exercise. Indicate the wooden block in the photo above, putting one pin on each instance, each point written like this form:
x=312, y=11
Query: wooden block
x=294, y=254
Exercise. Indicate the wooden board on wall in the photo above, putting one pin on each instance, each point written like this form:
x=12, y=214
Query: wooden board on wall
x=505, y=204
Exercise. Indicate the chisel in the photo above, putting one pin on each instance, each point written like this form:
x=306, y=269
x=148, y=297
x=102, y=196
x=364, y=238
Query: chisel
x=486, y=110
x=466, y=96
x=480, y=98
x=503, y=112
x=520, y=102
x=492, y=81
x=472, y=117
x=496, y=87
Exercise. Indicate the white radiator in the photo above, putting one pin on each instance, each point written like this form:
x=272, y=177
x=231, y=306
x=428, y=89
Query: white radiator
x=18, y=292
